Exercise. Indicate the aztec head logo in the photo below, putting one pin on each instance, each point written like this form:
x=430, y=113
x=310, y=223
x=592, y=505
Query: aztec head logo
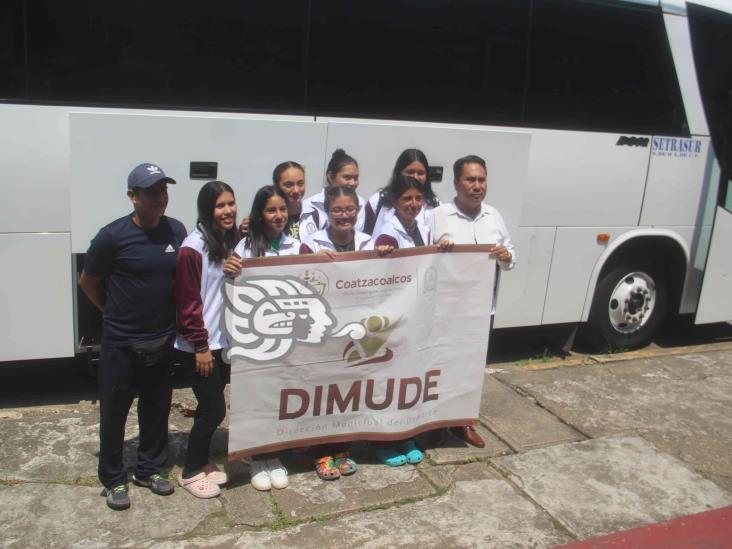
x=317, y=279
x=266, y=316
x=371, y=348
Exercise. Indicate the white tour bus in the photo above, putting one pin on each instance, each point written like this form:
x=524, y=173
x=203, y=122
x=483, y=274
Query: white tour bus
x=605, y=126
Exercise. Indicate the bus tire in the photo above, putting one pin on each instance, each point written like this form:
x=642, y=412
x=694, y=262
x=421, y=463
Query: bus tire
x=628, y=307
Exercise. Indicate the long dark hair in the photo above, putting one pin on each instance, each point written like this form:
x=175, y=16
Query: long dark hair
x=219, y=245
x=399, y=185
x=338, y=160
x=257, y=240
x=405, y=159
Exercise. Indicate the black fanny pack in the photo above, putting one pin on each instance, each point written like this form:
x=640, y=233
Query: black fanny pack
x=151, y=352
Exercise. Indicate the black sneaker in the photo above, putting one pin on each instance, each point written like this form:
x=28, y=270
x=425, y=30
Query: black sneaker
x=157, y=483
x=117, y=497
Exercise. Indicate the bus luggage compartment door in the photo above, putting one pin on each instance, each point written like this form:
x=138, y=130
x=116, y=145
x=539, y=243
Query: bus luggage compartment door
x=37, y=296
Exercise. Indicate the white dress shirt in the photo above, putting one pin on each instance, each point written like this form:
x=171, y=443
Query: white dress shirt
x=488, y=227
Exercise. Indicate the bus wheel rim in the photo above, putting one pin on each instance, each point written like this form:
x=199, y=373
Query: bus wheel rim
x=632, y=302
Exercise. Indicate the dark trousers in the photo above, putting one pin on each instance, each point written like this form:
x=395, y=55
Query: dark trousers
x=120, y=380
x=210, y=412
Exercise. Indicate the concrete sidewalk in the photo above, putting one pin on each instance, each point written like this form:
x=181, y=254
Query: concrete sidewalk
x=572, y=452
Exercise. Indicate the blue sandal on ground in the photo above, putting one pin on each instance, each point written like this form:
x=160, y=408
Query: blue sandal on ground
x=413, y=454
x=391, y=456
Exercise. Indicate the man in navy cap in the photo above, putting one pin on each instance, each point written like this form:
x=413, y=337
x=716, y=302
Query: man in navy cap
x=128, y=274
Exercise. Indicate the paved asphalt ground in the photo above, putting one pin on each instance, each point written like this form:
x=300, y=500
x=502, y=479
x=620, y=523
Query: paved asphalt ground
x=631, y=446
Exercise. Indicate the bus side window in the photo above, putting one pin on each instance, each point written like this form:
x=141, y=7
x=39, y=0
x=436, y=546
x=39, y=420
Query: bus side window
x=223, y=54
x=442, y=60
x=602, y=67
x=12, y=50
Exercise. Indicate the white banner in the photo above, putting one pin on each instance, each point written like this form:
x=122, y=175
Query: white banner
x=360, y=348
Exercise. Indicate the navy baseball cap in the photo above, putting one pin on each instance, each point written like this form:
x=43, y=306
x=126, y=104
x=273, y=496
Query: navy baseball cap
x=146, y=175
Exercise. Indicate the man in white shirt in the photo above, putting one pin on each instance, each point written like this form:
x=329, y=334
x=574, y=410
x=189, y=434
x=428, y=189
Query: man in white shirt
x=468, y=220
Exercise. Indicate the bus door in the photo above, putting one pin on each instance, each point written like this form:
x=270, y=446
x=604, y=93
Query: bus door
x=715, y=300
x=711, y=33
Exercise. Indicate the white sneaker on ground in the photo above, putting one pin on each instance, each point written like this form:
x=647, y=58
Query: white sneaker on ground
x=259, y=473
x=277, y=473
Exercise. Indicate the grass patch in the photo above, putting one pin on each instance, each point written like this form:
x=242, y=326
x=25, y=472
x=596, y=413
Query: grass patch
x=281, y=521
x=91, y=482
x=401, y=502
x=562, y=528
x=543, y=357
x=615, y=350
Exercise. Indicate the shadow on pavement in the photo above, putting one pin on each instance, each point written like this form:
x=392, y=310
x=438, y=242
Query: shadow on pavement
x=549, y=342
x=50, y=382
x=66, y=381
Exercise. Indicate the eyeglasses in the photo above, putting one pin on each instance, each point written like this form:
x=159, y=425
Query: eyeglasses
x=350, y=210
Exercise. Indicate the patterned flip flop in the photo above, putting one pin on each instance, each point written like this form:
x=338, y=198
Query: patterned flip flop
x=345, y=464
x=326, y=469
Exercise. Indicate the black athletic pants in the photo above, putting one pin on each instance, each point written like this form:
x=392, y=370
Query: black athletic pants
x=210, y=412
x=120, y=381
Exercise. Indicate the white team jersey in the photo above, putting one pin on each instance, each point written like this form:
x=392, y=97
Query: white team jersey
x=212, y=276
x=288, y=246
x=321, y=241
x=394, y=228
x=310, y=224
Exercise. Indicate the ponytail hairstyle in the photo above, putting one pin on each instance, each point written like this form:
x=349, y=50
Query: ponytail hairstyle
x=257, y=240
x=331, y=193
x=219, y=245
x=398, y=186
x=405, y=159
x=281, y=167
x=338, y=161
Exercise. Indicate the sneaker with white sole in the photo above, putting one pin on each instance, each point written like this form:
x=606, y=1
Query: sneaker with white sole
x=277, y=473
x=157, y=484
x=259, y=473
x=117, y=497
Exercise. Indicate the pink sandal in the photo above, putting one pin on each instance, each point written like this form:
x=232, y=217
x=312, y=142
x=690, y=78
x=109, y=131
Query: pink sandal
x=199, y=486
x=217, y=477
